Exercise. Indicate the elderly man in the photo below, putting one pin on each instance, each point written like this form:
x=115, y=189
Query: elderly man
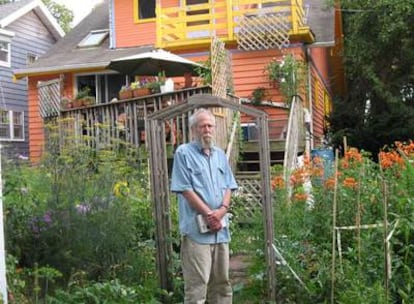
x=203, y=181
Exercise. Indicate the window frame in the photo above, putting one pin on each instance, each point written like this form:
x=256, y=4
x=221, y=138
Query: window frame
x=94, y=38
x=31, y=58
x=11, y=125
x=6, y=37
x=137, y=17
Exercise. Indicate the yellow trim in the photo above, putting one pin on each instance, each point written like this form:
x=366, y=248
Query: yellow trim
x=174, y=32
x=86, y=70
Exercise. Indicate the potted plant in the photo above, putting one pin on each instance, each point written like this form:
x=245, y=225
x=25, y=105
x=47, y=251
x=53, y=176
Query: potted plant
x=82, y=94
x=125, y=92
x=286, y=74
x=161, y=80
x=89, y=101
x=154, y=87
x=66, y=103
x=258, y=95
x=140, y=88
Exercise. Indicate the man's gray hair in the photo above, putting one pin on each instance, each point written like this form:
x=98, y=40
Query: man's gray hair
x=193, y=120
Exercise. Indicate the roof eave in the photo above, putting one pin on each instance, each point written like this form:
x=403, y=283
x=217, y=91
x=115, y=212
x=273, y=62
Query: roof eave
x=321, y=44
x=21, y=73
x=44, y=14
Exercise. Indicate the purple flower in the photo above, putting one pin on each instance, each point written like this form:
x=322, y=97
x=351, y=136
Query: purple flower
x=83, y=208
x=38, y=224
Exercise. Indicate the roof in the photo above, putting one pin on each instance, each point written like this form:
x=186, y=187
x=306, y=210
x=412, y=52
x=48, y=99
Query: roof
x=321, y=20
x=66, y=56
x=12, y=11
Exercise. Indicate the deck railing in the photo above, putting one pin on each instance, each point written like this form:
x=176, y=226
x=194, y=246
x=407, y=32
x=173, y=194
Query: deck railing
x=191, y=25
x=124, y=121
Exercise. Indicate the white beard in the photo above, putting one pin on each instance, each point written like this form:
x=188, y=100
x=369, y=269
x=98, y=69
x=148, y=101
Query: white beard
x=206, y=142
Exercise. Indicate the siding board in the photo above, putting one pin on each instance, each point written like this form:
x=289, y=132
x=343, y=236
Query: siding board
x=31, y=37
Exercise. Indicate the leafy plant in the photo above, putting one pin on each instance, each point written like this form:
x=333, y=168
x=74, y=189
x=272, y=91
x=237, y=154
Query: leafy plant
x=288, y=75
x=258, y=95
x=84, y=92
x=205, y=72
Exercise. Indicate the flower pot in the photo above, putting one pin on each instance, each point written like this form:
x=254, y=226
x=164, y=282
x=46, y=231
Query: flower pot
x=141, y=92
x=125, y=94
x=77, y=103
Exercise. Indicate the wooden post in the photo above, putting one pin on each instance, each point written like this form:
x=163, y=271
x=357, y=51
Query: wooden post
x=334, y=229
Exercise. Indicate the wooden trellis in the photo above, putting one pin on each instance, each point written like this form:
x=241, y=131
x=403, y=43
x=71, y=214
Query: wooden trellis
x=250, y=189
x=49, y=96
x=160, y=181
x=265, y=30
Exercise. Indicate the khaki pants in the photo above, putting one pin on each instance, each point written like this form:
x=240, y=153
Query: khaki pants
x=206, y=272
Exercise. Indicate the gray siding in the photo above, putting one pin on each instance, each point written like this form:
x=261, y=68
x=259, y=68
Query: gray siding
x=31, y=37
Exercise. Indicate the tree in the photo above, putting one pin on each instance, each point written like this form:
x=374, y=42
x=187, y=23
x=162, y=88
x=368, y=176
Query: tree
x=61, y=13
x=379, y=63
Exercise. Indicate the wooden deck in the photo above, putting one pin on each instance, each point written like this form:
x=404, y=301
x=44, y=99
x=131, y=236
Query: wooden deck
x=123, y=123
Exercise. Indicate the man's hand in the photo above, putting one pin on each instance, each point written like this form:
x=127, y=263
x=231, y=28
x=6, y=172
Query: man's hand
x=214, y=219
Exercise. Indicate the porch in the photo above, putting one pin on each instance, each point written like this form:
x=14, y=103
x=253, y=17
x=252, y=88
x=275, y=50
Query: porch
x=122, y=123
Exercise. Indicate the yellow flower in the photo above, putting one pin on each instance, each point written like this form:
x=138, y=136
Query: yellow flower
x=121, y=189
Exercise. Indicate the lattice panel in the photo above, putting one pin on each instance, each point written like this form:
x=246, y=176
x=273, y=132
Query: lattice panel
x=218, y=67
x=263, y=31
x=249, y=197
x=49, y=98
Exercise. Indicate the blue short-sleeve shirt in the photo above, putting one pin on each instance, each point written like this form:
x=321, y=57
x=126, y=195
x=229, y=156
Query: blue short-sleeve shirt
x=208, y=176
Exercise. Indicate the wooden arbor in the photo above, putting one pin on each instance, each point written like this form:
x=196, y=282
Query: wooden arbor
x=160, y=180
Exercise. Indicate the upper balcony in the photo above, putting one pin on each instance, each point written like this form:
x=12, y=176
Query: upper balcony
x=250, y=24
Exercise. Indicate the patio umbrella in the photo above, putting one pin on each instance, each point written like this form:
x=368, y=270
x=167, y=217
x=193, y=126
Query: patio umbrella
x=153, y=62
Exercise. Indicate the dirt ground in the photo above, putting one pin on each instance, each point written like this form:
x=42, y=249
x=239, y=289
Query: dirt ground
x=238, y=268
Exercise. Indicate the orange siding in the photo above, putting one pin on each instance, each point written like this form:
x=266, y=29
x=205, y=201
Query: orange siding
x=322, y=101
x=36, y=137
x=320, y=60
x=249, y=71
x=36, y=123
x=128, y=33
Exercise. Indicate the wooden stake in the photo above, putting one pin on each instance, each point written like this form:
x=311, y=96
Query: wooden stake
x=334, y=228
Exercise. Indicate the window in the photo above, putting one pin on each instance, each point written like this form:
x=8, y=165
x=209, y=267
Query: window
x=4, y=53
x=104, y=87
x=11, y=125
x=5, y=47
x=146, y=9
x=30, y=58
x=94, y=38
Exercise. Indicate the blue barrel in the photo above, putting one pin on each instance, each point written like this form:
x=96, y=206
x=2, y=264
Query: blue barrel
x=327, y=158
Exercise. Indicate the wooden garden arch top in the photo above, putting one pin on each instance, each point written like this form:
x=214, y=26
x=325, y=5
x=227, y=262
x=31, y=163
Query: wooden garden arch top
x=160, y=181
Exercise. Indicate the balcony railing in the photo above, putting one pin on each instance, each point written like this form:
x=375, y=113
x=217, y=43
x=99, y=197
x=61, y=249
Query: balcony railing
x=184, y=26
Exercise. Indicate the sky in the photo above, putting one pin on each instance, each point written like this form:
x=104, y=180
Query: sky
x=80, y=8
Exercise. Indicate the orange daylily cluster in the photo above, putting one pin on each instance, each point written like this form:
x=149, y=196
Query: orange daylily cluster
x=351, y=158
x=278, y=182
x=390, y=158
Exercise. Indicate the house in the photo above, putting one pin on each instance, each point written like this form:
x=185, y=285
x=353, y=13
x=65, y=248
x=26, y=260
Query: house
x=27, y=31
x=254, y=33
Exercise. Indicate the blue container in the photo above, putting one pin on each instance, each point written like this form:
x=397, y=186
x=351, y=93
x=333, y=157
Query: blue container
x=327, y=158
